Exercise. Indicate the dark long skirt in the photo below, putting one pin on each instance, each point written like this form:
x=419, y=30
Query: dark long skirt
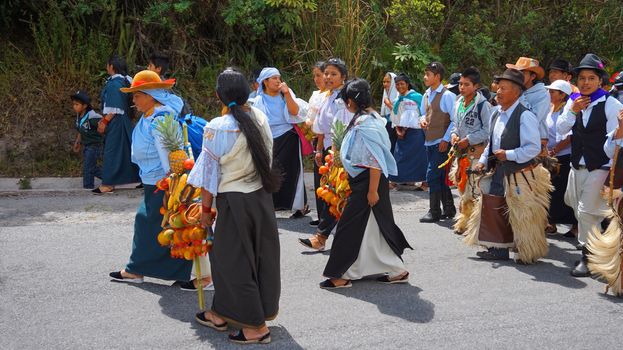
x=287, y=156
x=391, y=131
x=117, y=168
x=411, y=158
x=352, y=225
x=148, y=258
x=559, y=212
x=245, y=259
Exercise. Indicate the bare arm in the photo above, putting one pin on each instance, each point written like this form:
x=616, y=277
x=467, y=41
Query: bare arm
x=373, y=194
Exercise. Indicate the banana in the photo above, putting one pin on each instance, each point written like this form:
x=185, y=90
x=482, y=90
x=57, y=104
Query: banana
x=197, y=193
x=178, y=189
x=172, y=186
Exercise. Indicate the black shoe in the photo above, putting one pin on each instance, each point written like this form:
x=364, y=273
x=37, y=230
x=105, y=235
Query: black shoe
x=486, y=255
x=434, y=213
x=98, y=191
x=300, y=213
x=239, y=338
x=139, y=186
x=314, y=223
x=430, y=217
x=118, y=277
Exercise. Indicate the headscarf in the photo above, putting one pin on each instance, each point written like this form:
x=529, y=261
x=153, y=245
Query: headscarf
x=267, y=72
x=167, y=98
x=393, y=94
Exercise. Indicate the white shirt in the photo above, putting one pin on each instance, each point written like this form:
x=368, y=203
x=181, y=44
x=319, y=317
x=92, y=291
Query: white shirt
x=529, y=136
x=566, y=120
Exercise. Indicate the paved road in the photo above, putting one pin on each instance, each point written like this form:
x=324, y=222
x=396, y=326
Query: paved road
x=56, y=251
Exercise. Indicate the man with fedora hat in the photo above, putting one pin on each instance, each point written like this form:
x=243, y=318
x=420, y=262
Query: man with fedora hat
x=561, y=69
x=591, y=116
x=512, y=209
x=535, y=97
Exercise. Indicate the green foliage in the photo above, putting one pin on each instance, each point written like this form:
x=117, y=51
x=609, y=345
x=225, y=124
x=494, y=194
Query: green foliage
x=50, y=48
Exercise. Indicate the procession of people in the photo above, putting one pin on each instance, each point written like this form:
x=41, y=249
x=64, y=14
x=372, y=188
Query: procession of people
x=536, y=155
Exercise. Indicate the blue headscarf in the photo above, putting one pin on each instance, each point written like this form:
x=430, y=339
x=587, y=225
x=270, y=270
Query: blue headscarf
x=166, y=98
x=266, y=73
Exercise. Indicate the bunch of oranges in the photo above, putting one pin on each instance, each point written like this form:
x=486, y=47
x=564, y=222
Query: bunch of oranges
x=334, y=188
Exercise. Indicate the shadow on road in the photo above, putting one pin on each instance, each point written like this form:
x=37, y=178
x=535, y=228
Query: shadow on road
x=394, y=300
x=183, y=306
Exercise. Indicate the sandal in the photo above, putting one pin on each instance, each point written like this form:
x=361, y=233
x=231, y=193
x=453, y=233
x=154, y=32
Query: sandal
x=239, y=338
x=551, y=229
x=317, y=242
x=200, y=317
x=301, y=213
x=99, y=190
x=117, y=276
x=385, y=279
x=328, y=284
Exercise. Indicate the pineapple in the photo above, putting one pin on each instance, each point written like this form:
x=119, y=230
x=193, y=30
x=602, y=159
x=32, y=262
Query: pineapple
x=171, y=137
x=339, y=131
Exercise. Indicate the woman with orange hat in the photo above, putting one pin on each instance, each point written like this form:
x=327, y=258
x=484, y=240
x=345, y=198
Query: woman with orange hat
x=153, y=98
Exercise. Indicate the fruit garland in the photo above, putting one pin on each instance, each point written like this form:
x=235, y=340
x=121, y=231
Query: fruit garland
x=181, y=213
x=334, y=188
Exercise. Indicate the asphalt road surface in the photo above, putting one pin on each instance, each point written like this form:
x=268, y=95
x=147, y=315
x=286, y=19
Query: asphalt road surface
x=56, y=250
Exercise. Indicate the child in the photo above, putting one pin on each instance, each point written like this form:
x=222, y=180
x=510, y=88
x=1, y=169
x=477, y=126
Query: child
x=93, y=142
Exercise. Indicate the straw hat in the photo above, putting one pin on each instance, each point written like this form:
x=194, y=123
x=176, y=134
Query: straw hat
x=529, y=64
x=148, y=80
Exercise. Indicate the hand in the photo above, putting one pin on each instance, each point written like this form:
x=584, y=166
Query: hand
x=479, y=167
x=76, y=147
x=101, y=127
x=454, y=139
x=318, y=158
x=424, y=124
x=207, y=220
x=373, y=198
x=443, y=146
x=284, y=88
x=580, y=103
x=500, y=155
x=400, y=132
x=463, y=144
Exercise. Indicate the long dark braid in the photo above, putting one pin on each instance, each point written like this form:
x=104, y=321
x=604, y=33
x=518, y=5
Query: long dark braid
x=233, y=90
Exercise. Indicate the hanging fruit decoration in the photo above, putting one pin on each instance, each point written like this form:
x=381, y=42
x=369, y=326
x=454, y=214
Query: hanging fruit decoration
x=334, y=188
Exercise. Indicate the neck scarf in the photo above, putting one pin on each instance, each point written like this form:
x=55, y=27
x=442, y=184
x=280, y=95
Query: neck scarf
x=599, y=93
x=411, y=95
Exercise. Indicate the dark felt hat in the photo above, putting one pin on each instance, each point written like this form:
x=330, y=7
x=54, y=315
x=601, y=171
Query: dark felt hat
x=453, y=80
x=561, y=65
x=590, y=61
x=618, y=79
x=512, y=75
x=81, y=96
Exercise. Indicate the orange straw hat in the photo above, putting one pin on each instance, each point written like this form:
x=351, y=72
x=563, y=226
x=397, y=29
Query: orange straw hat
x=148, y=80
x=529, y=64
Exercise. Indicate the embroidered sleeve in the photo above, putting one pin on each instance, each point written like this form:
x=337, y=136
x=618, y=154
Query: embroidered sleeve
x=219, y=137
x=360, y=155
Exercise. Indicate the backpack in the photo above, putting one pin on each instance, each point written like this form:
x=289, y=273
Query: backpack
x=194, y=125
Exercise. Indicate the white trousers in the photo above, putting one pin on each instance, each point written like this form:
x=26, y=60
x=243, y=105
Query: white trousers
x=584, y=196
